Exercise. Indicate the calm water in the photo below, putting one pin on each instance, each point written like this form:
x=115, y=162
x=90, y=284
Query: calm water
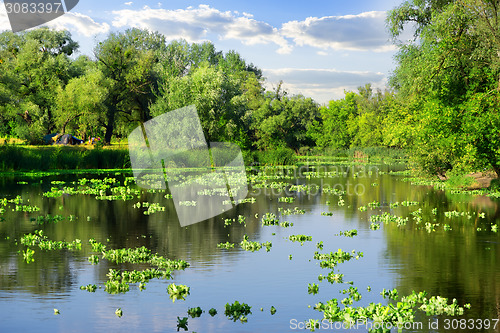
x=461, y=263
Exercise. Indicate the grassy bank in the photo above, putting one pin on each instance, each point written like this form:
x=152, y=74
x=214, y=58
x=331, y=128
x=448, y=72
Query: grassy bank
x=43, y=158
x=28, y=158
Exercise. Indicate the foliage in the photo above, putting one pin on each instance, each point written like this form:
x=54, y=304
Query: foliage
x=237, y=311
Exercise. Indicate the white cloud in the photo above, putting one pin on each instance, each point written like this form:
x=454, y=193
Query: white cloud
x=322, y=84
x=128, y=3
x=197, y=24
x=362, y=32
x=79, y=23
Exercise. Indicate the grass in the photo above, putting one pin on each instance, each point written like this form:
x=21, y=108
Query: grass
x=34, y=158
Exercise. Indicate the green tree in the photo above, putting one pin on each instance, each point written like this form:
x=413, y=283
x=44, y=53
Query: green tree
x=34, y=65
x=128, y=61
x=81, y=104
x=452, y=72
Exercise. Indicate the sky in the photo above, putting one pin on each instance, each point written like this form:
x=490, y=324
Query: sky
x=318, y=48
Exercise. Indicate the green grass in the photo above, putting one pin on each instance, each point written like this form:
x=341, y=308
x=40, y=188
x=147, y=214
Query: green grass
x=29, y=158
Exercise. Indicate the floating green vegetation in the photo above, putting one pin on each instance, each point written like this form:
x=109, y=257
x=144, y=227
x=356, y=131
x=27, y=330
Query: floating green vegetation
x=286, y=199
x=116, y=287
x=354, y=296
x=286, y=224
x=182, y=323
x=374, y=204
x=137, y=276
x=374, y=226
x=332, y=259
x=241, y=220
x=212, y=312
x=349, y=233
x=273, y=310
x=326, y=213
x=300, y=238
x=90, y=288
x=225, y=245
x=391, y=294
x=405, y=203
x=195, y=312
x=119, y=312
x=43, y=242
x=312, y=288
x=47, y=219
x=56, y=312
x=269, y=219
x=136, y=256
x=362, y=208
x=177, y=291
x=93, y=259
x=454, y=213
x=397, y=315
x=332, y=277
x=319, y=245
x=294, y=211
x=237, y=311
x=28, y=255
x=254, y=246
x=389, y=218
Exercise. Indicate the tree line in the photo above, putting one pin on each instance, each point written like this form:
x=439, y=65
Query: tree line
x=441, y=105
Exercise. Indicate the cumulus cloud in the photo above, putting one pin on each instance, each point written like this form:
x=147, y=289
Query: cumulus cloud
x=79, y=23
x=128, y=3
x=362, y=32
x=322, y=84
x=197, y=24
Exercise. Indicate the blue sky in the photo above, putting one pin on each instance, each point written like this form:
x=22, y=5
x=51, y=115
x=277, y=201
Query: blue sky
x=318, y=48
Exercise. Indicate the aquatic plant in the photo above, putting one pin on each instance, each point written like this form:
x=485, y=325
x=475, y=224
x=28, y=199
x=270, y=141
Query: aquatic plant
x=300, y=238
x=182, y=323
x=56, y=312
x=332, y=259
x=212, y=312
x=119, y=312
x=90, y=288
x=396, y=314
x=294, y=211
x=28, y=255
x=269, y=219
x=326, y=213
x=374, y=226
x=194, y=312
x=115, y=287
x=177, y=291
x=312, y=288
x=273, y=310
x=225, y=245
x=349, y=233
x=254, y=246
x=286, y=199
x=237, y=311
x=93, y=259
x=362, y=208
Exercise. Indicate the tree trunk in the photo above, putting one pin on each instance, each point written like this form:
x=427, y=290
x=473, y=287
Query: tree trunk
x=110, y=126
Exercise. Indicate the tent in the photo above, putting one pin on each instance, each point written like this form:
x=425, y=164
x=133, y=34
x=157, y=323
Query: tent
x=49, y=138
x=68, y=139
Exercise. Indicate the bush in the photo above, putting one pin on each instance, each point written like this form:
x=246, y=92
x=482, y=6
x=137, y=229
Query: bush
x=278, y=156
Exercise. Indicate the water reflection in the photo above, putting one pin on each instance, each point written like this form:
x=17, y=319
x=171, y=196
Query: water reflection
x=462, y=263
